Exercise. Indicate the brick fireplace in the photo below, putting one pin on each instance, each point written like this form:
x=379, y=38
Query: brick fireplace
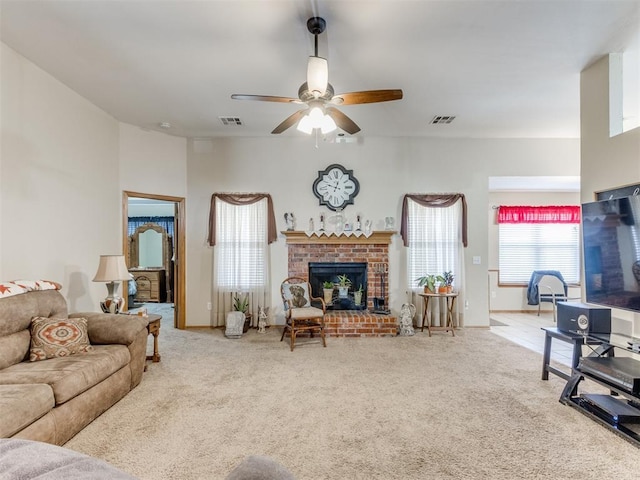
x=373, y=250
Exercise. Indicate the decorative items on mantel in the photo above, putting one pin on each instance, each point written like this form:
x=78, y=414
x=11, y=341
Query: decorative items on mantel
x=376, y=237
x=320, y=233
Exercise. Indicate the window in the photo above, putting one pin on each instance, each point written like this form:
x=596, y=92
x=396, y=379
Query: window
x=434, y=241
x=538, y=238
x=241, y=227
x=241, y=246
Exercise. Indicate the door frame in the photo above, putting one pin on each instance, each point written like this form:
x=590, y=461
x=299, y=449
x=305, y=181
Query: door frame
x=179, y=297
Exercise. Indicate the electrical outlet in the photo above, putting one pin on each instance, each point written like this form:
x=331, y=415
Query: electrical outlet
x=477, y=260
x=208, y=305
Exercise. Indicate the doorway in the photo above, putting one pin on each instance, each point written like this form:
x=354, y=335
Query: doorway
x=177, y=264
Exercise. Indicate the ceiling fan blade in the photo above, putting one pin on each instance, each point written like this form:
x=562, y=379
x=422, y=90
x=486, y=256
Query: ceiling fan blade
x=289, y=121
x=265, y=98
x=342, y=121
x=367, y=96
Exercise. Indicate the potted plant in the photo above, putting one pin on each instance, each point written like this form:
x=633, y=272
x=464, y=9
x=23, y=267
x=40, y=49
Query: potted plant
x=343, y=285
x=327, y=290
x=447, y=279
x=242, y=305
x=428, y=282
x=357, y=295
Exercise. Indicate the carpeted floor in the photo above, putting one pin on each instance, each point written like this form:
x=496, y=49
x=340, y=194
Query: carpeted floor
x=469, y=407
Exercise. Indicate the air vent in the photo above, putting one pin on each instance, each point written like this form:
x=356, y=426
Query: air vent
x=442, y=119
x=231, y=121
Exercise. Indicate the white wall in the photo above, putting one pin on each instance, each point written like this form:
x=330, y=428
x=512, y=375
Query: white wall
x=387, y=168
x=60, y=194
x=511, y=297
x=605, y=162
x=152, y=162
x=63, y=167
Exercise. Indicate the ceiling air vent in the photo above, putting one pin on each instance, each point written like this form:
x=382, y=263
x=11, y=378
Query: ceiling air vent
x=231, y=121
x=442, y=119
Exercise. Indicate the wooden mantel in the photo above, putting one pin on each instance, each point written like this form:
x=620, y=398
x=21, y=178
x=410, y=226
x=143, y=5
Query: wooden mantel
x=379, y=237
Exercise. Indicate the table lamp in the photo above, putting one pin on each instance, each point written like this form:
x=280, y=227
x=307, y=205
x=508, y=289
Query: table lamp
x=112, y=270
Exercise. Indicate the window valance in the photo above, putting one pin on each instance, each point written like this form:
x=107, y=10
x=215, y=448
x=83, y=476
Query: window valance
x=543, y=214
x=433, y=200
x=242, y=199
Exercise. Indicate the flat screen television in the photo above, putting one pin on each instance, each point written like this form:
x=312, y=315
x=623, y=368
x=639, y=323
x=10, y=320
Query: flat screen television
x=611, y=248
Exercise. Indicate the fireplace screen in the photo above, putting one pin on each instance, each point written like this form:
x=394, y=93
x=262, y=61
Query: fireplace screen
x=341, y=299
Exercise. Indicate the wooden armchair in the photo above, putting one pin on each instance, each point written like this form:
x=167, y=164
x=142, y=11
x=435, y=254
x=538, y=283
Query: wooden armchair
x=300, y=315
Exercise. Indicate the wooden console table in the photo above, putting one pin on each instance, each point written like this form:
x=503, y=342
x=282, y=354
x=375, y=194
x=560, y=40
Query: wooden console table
x=450, y=299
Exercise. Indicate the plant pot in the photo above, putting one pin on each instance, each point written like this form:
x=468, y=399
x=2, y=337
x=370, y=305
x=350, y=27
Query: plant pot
x=449, y=288
x=357, y=298
x=442, y=289
x=343, y=292
x=328, y=295
x=428, y=290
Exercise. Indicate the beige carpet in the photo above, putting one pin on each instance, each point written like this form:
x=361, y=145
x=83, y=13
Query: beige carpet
x=469, y=407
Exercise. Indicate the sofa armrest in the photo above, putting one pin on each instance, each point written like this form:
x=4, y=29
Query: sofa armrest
x=108, y=328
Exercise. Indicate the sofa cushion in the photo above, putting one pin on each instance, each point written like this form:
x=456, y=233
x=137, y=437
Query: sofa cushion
x=14, y=348
x=17, y=311
x=58, y=337
x=69, y=376
x=21, y=405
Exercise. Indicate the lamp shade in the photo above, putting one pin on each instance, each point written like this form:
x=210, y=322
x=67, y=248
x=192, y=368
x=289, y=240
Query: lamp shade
x=317, y=76
x=111, y=269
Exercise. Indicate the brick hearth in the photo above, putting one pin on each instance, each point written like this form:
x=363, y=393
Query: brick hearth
x=374, y=250
x=359, y=323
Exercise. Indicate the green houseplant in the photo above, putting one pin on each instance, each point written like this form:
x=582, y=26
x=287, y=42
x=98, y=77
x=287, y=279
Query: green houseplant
x=327, y=290
x=357, y=295
x=447, y=280
x=241, y=304
x=343, y=285
x=428, y=282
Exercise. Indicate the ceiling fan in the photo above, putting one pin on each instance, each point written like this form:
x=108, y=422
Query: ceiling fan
x=318, y=96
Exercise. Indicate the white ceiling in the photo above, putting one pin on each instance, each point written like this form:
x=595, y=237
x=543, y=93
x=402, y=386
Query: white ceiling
x=504, y=68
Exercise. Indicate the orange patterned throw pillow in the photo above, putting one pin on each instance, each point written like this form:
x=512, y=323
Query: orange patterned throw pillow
x=58, y=337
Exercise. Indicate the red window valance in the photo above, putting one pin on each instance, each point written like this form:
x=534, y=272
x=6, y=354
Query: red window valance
x=545, y=214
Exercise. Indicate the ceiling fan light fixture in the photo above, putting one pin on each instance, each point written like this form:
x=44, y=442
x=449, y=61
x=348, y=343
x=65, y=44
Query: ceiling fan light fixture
x=328, y=125
x=317, y=76
x=316, y=119
x=305, y=125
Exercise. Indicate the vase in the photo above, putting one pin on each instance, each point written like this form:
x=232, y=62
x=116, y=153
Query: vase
x=234, y=324
x=343, y=292
x=357, y=297
x=328, y=295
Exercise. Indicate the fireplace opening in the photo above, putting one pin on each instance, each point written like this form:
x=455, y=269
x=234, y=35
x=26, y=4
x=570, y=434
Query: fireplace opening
x=356, y=272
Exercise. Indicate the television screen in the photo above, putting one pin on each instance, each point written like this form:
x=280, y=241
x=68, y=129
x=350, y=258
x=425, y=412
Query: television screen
x=611, y=247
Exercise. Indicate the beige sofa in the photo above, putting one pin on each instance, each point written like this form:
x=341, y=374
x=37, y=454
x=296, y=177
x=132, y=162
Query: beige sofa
x=51, y=400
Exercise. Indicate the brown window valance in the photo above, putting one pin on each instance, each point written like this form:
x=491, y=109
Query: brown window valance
x=434, y=200
x=242, y=199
